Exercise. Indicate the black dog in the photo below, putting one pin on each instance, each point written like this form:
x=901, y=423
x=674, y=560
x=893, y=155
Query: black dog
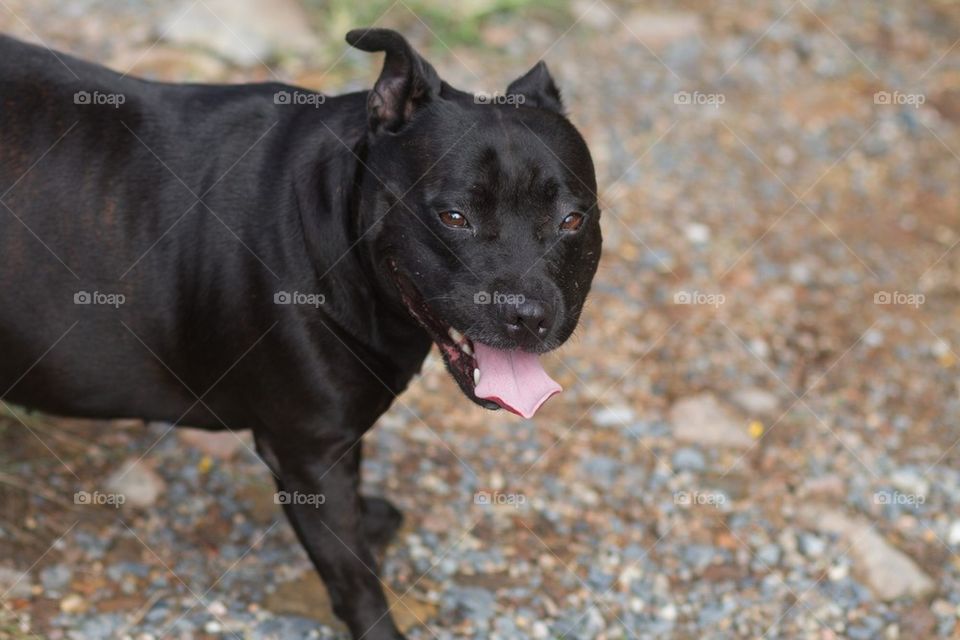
x=265, y=257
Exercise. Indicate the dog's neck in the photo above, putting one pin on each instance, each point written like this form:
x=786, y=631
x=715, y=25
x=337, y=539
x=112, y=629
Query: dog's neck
x=340, y=247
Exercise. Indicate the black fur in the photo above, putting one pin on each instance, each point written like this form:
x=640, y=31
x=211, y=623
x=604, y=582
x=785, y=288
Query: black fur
x=200, y=204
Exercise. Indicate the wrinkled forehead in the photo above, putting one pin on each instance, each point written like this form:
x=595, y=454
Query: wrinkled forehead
x=508, y=161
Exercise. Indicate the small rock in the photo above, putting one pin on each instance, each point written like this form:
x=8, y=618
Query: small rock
x=474, y=603
x=697, y=233
x=786, y=155
x=595, y=14
x=688, y=459
x=812, y=546
x=701, y=419
x=838, y=571
x=827, y=486
x=659, y=30
x=873, y=338
x=222, y=445
x=137, y=483
x=55, y=578
x=943, y=608
x=888, y=572
x=756, y=401
x=760, y=348
x=100, y=626
x=244, y=32
x=217, y=608
x=612, y=416
x=801, y=273
x=910, y=482
x=540, y=630
x=769, y=554
x=14, y=583
x=953, y=535
x=668, y=612
x=72, y=604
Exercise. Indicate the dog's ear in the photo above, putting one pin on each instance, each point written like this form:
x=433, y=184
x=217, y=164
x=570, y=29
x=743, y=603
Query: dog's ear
x=538, y=89
x=406, y=83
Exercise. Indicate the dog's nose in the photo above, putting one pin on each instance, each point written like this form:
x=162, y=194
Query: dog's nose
x=530, y=318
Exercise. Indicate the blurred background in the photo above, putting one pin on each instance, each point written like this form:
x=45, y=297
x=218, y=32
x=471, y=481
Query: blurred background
x=759, y=434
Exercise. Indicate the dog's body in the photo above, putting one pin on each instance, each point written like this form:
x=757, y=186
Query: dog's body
x=146, y=241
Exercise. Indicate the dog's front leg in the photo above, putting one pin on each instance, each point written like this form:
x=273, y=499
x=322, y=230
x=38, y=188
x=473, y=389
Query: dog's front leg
x=318, y=483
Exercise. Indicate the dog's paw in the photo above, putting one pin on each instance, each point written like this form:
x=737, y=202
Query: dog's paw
x=381, y=521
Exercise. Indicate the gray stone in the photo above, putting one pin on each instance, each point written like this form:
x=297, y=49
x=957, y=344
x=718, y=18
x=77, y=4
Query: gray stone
x=222, y=445
x=612, y=416
x=658, y=30
x=15, y=583
x=756, y=401
x=688, y=459
x=137, y=483
x=55, y=578
x=476, y=604
x=887, y=571
x=703, y=420
x=769, y=555
x=244, y=32
x=812, y=546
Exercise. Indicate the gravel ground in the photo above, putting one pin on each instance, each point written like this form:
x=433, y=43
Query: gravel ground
x=759, y=433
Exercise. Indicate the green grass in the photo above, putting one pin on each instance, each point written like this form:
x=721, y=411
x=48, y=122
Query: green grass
x=456, y=23
x=10, y=630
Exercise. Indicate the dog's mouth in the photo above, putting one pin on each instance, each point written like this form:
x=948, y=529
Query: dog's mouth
x=493, y=378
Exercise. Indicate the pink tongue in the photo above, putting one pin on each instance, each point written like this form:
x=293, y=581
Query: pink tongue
x=513, y=379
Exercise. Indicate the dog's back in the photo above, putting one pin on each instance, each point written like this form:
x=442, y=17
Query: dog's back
x=114, y=194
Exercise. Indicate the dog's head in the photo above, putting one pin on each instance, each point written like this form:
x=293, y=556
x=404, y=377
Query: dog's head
x=483, y=218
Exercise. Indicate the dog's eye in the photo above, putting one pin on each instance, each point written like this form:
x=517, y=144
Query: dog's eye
x=454, y=219
x=572, y=222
